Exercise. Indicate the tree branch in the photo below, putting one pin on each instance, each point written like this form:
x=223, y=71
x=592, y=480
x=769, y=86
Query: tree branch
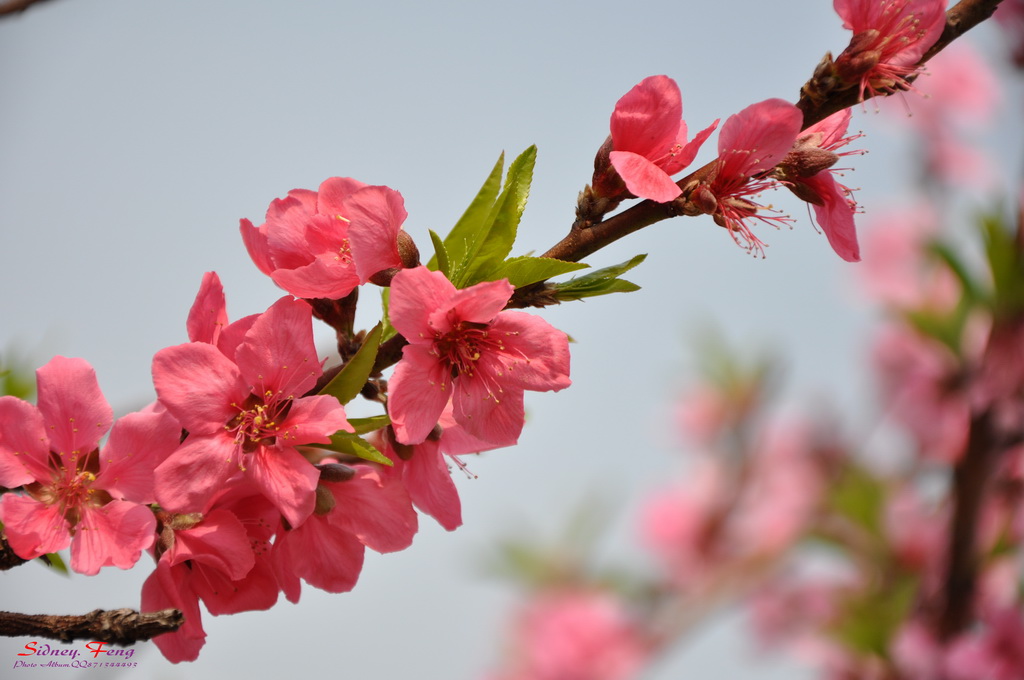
x=116, y=626
x=16, y=6
x=584, y=241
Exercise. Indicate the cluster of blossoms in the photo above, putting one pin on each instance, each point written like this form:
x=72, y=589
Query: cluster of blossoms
x=895, y=557
x=229, y=478
x=247, y=476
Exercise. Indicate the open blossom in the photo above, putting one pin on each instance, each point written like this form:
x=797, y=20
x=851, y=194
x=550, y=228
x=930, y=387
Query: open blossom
x=807, y=170
x=369, y=510
x=246, y=413
x=751, y=143
x=74, y=493
x=323, y=244
x=575, y=635
x=463, y=348
x=889, y=39
x=219, y=556
x=647, y=144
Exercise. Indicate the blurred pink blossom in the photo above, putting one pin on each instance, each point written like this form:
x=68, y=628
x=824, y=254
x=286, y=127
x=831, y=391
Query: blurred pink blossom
x=574, y=635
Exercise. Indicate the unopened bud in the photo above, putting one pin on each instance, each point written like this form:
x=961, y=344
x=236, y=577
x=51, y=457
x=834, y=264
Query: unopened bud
x=806, y=160
x=704, y=199
x=335, y=472
x=407, y=251
x=324, y=500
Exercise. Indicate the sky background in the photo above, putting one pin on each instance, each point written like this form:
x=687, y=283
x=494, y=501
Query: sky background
x=134, y=134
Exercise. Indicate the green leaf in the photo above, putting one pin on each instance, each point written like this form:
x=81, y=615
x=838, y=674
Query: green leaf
x=860, y=497
x=348, y=383
x=440, y=254
x=354, y=445
x=599, y=282
x=56, y=562
x=473, y=220
x=371, y=424
x=945, y=253
x=492, y=246
x=522, y=271
x=388, y=331
x=870, y=620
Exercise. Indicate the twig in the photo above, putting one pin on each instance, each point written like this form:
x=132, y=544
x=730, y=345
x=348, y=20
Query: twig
x=16, y=6
x=116, y=626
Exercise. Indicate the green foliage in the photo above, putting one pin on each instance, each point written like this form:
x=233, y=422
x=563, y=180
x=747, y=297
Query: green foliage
x=599, y=282
x=354, y=445
x=483, y=237
x=522, y=271
x=348, y=383
x=871, y=619
x=371, y=424
x=1005, y=255
x=859, y=497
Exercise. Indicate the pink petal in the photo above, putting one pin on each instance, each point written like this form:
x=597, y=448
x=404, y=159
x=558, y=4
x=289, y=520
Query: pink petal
x=165, y=589
x=198, y=385
x=415, y=294
x=255, y=240
x=643, y=178
x=138, y=443
x=376, y=214
x=646, y=119
x=323, y=277
x=758, y=137
x=420, y=388
x=314, y=419
x=477, y=304
x=218, y=542
x=835, y=216
x=488, y=411
x=278, y=356
x=24, y=453
x=685, y=156
x=536, y=354
x=112, y=535
x=73, y=407
x=256, y=591
x=287, y=221
x=332, y=194
x=209, y=314
x=378, y=511
x=187, y=479
x=286, y=479
x=322, y=555
x=429, y=481
x=33, y=528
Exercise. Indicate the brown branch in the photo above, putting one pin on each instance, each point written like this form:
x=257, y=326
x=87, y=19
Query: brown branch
x=16, y=6
x=116, y=626
x=584, y=241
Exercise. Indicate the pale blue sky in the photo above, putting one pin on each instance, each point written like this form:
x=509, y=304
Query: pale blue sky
x=134, y=134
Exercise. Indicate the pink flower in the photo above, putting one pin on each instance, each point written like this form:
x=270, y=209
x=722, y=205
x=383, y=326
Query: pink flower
x=575, y=635
x=751, y=143
x=425, y=470
x=808, y=172
x=997, y=653
x=327, y=550
x=247, y=413
x=323, y=244
x=463, y=348
x=74, y=493
x=889, y=39
x=220, y=556
x=919, y=384
x=647, y=144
